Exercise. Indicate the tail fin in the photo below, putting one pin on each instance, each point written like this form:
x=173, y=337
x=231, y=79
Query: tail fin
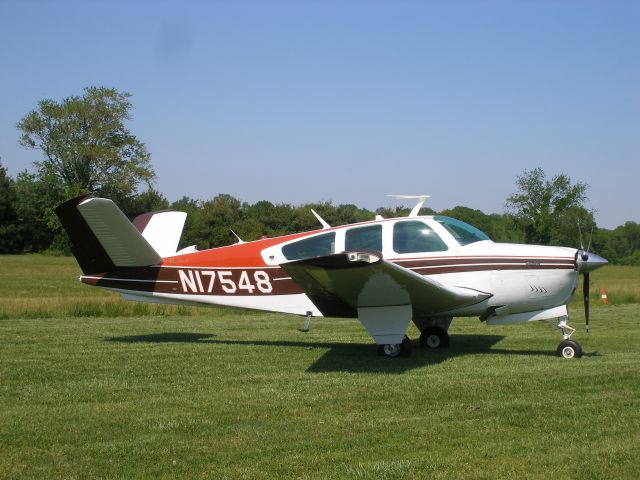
x=102, y=238
x=162, y=230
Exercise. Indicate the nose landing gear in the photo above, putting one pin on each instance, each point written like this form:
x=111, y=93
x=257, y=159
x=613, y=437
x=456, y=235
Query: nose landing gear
x=568, y=348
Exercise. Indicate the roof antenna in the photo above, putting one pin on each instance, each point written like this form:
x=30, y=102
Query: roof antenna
x=324, y=224
x=237, y=236
x=421, y=199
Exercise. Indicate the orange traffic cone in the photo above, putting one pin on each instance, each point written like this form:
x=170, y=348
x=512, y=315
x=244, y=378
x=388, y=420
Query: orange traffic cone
x=603, y=296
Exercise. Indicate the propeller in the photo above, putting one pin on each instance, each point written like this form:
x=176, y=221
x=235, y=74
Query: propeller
x=584, y=254
x=585, y=292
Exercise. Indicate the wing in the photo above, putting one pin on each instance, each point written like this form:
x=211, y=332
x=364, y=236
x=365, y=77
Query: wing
x=340, y=284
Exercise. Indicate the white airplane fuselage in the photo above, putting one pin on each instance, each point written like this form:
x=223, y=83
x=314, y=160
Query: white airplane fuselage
x=519, y=278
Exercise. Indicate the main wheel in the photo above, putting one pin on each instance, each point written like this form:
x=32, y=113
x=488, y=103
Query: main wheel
x=396, y=349
x=434, y=337
x=569, y=349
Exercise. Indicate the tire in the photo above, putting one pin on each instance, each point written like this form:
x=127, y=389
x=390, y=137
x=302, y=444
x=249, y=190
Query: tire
x=390, y=349
x=434, y=337
x=569, y=349
x=396, y=350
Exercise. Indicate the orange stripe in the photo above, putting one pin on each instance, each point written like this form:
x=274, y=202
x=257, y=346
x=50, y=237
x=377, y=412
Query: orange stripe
x=239, y=255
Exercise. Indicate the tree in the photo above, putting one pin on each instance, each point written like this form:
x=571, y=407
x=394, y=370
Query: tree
x=150, y=200
x=191, y=234
x=621, y=245
x=549, y=211
x=218, y=216
x=34, y=206
x=87, y=148
x=86, y=144
x=10, y=238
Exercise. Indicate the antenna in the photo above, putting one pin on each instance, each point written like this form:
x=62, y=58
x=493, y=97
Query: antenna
x=421, y=199
x=236, y=235
x=324, y=224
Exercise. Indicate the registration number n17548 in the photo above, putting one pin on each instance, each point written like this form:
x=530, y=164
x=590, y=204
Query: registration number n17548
x=240, y=282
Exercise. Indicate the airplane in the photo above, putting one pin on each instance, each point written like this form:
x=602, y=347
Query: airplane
x=384, y=272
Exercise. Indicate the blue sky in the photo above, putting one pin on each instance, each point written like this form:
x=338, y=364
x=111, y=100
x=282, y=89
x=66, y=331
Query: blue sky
x=348, y=100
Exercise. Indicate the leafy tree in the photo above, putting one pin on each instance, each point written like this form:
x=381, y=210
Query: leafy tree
x=34, y=207
x=191, y=234
x=397, y=211
x=621, y=245
x=86, y=144
x=87, y=148
x=10, y=234
x=150, y=200
x=275, y=219
x=549, y=211
x=349, y=213
x=219, y=215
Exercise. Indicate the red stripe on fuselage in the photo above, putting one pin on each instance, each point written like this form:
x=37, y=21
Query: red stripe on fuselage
x=240, y=255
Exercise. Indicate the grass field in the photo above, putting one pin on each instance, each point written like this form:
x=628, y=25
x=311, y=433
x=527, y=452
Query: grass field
x=93, y=387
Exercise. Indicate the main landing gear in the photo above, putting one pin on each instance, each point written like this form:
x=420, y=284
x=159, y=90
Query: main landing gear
x=434, y=337
x=433, y=334
x=396, y=349
x=433, y=331
x=568, y=348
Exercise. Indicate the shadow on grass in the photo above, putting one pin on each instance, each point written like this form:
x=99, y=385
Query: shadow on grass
x=354, y=357
x=167, y=337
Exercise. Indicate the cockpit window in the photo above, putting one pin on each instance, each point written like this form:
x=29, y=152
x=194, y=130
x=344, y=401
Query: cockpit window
x=462, y=232
x=317, y=246
x=414, y=237
x=364, y=238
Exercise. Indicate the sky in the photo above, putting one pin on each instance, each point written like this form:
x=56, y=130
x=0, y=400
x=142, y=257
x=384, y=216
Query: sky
x=347, y=101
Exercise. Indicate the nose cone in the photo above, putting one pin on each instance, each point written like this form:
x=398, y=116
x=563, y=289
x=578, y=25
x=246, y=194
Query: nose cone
x=588, y=262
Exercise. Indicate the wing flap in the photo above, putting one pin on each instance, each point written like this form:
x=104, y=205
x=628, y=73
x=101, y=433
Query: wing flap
x=355, y=280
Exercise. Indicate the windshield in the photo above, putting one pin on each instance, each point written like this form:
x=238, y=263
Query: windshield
x=413, y=237
x=462, y=232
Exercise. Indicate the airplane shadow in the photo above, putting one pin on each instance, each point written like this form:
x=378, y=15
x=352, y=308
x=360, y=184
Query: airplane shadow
x=167, y=337
x=354, y=357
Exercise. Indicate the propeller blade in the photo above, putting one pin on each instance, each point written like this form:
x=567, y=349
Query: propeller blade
x=585, y=292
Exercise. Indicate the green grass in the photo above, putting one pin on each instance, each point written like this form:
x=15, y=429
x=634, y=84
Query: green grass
x=218, y=394
x=620, y=283
x=40, y=286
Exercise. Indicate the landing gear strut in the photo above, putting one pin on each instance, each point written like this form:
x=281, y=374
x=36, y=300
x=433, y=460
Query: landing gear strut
x=396, y=349
x=568, y=348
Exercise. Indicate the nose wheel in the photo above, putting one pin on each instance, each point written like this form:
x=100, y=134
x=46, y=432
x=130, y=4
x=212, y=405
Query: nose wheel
x=568, y=348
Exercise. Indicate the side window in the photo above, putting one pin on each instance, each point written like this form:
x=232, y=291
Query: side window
x=317, y=246
x=414, y=237
x=364, y=238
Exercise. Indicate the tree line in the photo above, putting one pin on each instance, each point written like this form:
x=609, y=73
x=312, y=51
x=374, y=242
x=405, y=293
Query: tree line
x=86, y=147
